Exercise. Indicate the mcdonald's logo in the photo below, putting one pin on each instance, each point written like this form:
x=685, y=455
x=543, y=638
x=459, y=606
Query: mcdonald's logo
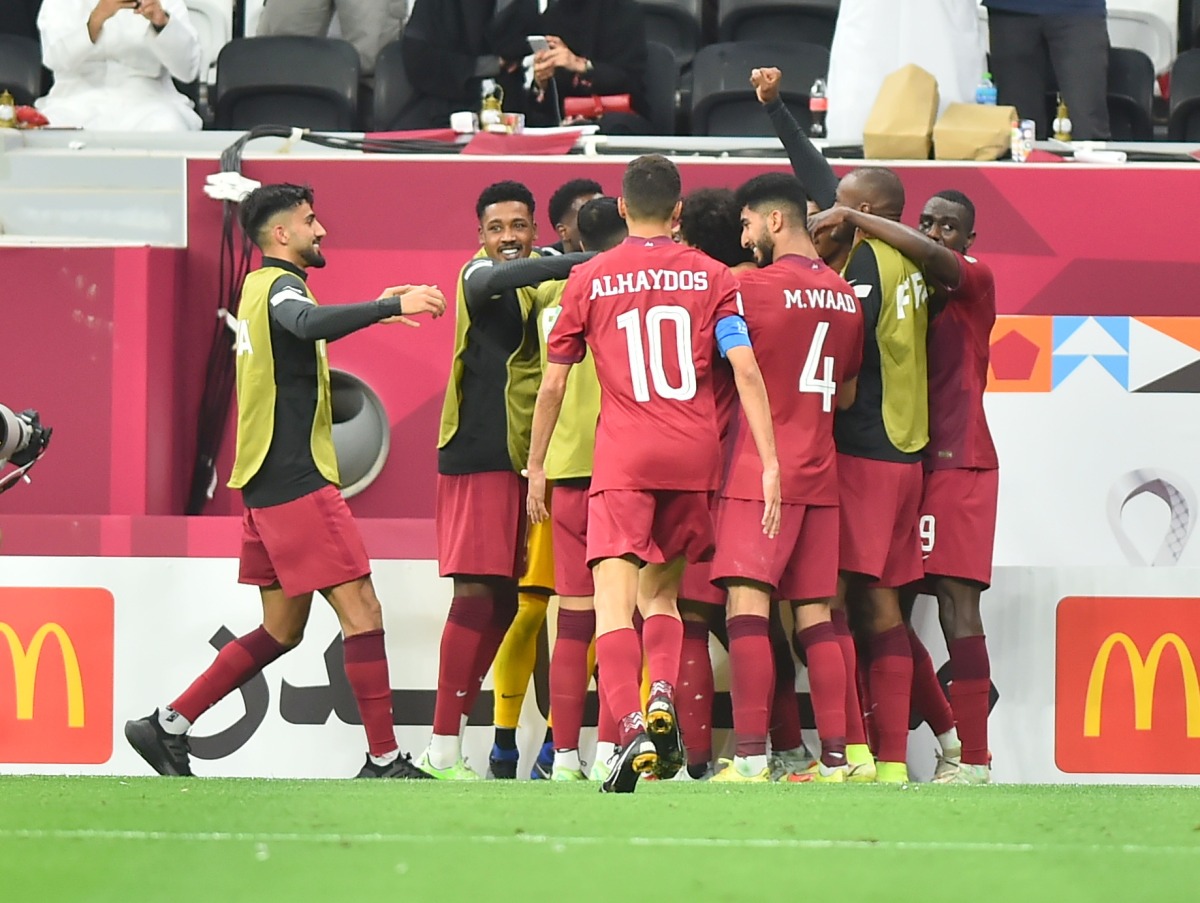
x=1127, y=697
x=56, y=699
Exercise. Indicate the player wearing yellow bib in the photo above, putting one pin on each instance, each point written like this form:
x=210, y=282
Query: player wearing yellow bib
x=569, y=470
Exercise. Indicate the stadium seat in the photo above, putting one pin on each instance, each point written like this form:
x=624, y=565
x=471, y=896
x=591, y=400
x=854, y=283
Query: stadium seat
x=393, y=90
x=285, y=80
x=723, y=103
x=213, y=21
x=1184, y=121
x=675, y=23
x=1150, y=26
x=810, y=21
x=662, y=87
x=21, y=70
x=1130, y=95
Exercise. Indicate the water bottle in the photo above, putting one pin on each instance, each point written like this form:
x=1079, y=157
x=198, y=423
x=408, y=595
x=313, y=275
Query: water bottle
x=986, y=92
x=818, y=104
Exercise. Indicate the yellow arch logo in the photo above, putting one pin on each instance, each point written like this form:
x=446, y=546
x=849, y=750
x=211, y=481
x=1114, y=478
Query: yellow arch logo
x=1145, y=674
x=25, y=669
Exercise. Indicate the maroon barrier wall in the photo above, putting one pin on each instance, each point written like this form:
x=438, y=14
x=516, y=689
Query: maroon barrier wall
x=110, y=344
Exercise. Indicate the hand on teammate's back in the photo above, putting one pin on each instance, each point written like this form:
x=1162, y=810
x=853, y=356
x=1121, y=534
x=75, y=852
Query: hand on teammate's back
x=766, y=83
x=414, y=300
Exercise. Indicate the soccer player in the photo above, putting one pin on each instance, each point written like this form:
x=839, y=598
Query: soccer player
x=807, y=329
x=880, y=439
x=564, y=208
x=568, y=467
x=958, y=502
x=653, y=313
x=298, y=536
x=482, y=447
x=518, y=653
x=710, y=222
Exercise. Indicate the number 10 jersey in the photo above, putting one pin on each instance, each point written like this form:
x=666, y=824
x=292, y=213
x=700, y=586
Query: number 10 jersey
x=648, y=309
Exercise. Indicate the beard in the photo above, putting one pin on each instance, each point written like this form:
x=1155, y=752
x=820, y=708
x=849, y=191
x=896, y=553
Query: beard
x=764, y=251
x=312, y=257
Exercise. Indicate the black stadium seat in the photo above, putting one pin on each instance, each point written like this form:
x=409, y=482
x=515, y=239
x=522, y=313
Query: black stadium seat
x=284, y=80
x=1184, y=121
x=1130, y=95
x=723, y=103
x=662, y=87
x=21, y=70
x=675, y=23
x=393, y=90
x=810, y=21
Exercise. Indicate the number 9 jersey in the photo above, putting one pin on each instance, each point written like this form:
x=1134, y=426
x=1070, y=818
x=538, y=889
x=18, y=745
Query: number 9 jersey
x=806, y=327
x=648, y=309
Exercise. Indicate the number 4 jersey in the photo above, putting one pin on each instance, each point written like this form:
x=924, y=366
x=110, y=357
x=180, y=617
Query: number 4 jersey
x=648, y=309
x=806, y=327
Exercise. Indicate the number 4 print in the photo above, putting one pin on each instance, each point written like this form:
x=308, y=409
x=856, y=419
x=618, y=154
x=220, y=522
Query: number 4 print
x=656, y=316
x=809, y=381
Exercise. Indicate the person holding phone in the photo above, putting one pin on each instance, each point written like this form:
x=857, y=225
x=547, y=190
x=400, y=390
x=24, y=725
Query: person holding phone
x=592, y=47
x=115, y=73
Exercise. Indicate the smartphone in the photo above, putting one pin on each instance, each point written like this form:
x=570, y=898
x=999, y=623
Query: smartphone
x=538, y=42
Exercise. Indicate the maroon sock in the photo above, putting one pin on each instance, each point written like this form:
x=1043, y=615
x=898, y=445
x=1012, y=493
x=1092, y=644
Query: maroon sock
x=785, y=707
x=367, y=672
x=891, y=690
x=855, y=732
x=620, y=656
x=827, y=686
x=662, y=637
x=606, y=724
x=502, y=612
x=928, y=699
x=751, y=672
x=461, y=639
x=970, y=688
x=694, y=695
x=569, y=674
x=235, y=664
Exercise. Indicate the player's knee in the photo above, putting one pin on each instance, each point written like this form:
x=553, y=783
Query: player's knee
x=289, y=636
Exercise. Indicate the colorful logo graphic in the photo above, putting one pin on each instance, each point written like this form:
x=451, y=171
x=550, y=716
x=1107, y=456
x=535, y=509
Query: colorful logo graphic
x=1127, y=698
x=56, y=701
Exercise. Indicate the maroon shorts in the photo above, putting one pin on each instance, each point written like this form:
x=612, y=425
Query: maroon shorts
x=654, y=525
x=308, y=544
x=801, y=562
x=480, y=520
x=569, y=517
x=880, y=502
x=697, y=584
x=958, y=523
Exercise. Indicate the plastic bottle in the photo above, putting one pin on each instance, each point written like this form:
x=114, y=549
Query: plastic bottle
x=818, y=105
x=986, y=92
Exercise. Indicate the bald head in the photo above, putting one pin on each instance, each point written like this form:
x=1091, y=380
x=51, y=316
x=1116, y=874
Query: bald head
x=878, y=188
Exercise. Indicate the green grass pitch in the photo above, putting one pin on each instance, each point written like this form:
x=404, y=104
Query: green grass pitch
x=147, y=839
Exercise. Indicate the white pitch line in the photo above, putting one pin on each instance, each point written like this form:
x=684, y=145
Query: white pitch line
x=735, y=843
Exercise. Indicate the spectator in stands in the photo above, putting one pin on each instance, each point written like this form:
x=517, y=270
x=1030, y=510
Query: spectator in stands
x=874, y=39
x=1028, y=37
x=113, y=64
x=451, y=46
x=20, y=18
x=596, y=47
x=367, y=24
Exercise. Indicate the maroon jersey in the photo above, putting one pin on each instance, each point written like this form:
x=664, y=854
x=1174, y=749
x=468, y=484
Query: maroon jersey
x=648, y=309
x=959, y=338
x=806, y=327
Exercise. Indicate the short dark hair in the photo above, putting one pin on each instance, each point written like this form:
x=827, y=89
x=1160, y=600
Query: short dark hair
x=711, y=221
x=651, y=187
x=264, y=202
x=779, y=190
x=564, y=197
x=883, y=187
x=954, y=196
x=601, y=225
x=499, y=192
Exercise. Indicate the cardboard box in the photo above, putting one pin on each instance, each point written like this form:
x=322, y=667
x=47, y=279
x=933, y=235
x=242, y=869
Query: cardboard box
x=969, y=131
x=900, y=126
